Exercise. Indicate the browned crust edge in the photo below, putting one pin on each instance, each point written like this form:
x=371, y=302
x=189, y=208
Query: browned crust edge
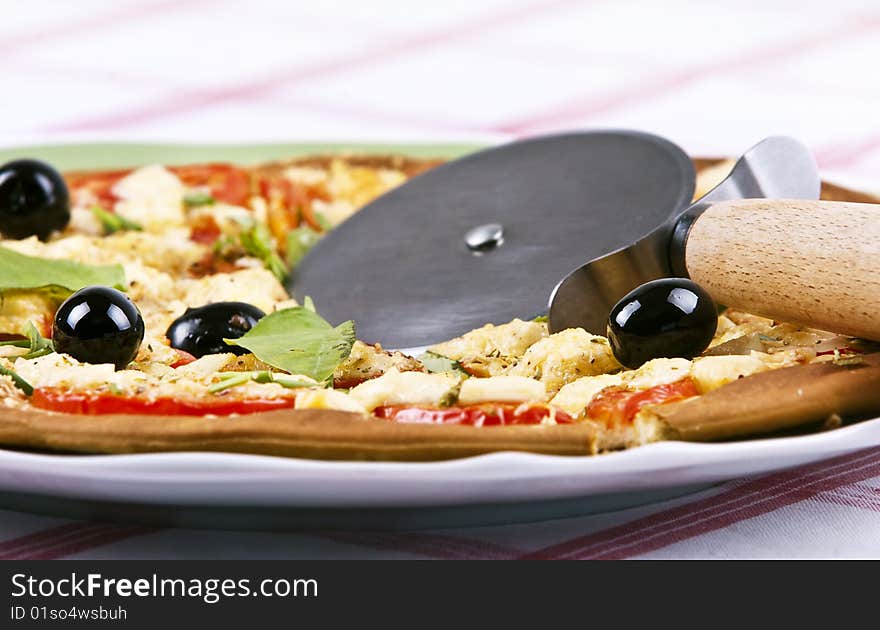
x=775, y=401
x=309, y=433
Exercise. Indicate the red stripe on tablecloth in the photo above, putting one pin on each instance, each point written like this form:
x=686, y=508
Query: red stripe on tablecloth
x=41, y=537
x=592, y=105
x=427, y=545
x=98, y=539
x=855, y=496
x=63, y=540
x=95, y=22
x=191, y=100
x=742, y=502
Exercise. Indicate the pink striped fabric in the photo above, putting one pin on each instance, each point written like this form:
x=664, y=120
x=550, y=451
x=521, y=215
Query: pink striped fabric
x=715, y=77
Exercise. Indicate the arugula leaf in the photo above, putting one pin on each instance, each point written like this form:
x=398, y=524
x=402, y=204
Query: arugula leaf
x=113, y=222
x=299, y=341
x=20, y=383
x=194, y=199
x=233, y=379
x=257, y=241
x=21, y=272
x=437, y=363
x=299, y=242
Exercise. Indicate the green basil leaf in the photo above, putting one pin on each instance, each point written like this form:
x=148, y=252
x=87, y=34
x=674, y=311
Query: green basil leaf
x=111, y=222
x=299, y=341
x=437, y=363
x=21, y=272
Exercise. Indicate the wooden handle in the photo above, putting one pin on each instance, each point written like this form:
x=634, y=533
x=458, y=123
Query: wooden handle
x=812, y=262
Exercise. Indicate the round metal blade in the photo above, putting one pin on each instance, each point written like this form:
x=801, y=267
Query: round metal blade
x=485, y=238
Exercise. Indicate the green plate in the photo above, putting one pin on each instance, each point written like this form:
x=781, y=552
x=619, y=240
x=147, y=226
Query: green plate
x=106, y=155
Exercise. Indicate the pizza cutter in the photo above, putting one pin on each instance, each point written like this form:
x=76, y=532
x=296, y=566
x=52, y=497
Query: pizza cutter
x=484, y=238
x=786, y=256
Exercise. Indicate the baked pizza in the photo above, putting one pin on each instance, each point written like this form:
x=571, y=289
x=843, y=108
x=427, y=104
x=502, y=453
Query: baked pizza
x=144, y=310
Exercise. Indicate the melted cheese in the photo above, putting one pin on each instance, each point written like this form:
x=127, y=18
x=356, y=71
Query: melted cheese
x=328, y=399
x=254, y=286
x=657, y=372
x=565, y=357
x=501, y=389
x=506, y=342
x=398, y=388
x=152, y=197
x=713, y=372
x=19, y=307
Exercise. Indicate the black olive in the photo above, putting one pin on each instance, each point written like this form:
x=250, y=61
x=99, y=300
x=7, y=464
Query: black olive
x=672, y=317
x=99, y=325
x=201, y=330
x=33, y=200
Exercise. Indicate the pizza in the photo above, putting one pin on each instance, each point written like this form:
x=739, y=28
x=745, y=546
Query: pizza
x=144, y=309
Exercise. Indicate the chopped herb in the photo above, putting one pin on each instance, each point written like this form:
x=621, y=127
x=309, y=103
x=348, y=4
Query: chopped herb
x=437, y=363
x=18, y=343
x=19, y=272
x=541, y=319
x=38, y=345
x=114, y=389
x=34, y=346
x=450, y=397
x=299, y=242
x=257, y=241
x=112, y=222
x=195, y=199
x=308, y=304
x=323, y=221
x=20, y=383
x=234, y=379
x=299, y=341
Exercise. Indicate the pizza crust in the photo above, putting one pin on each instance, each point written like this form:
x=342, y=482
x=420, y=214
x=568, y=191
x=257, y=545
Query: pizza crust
x=308, y=433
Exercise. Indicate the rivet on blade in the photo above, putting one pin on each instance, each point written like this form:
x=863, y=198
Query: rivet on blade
x=484, y=237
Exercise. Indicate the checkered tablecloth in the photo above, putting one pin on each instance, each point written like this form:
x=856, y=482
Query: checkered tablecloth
x=713, y=76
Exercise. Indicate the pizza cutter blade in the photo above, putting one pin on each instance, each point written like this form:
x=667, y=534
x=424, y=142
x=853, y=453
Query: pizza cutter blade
x=776, y=168
x=482, y=239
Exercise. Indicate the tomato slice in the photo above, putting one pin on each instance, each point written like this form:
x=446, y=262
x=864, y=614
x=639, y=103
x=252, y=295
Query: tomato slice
x=98, y=185
x=226, y=182
x=617, y=405
x=106, y=403
x=483, y=415
x=183, y=358
x=205, y=230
